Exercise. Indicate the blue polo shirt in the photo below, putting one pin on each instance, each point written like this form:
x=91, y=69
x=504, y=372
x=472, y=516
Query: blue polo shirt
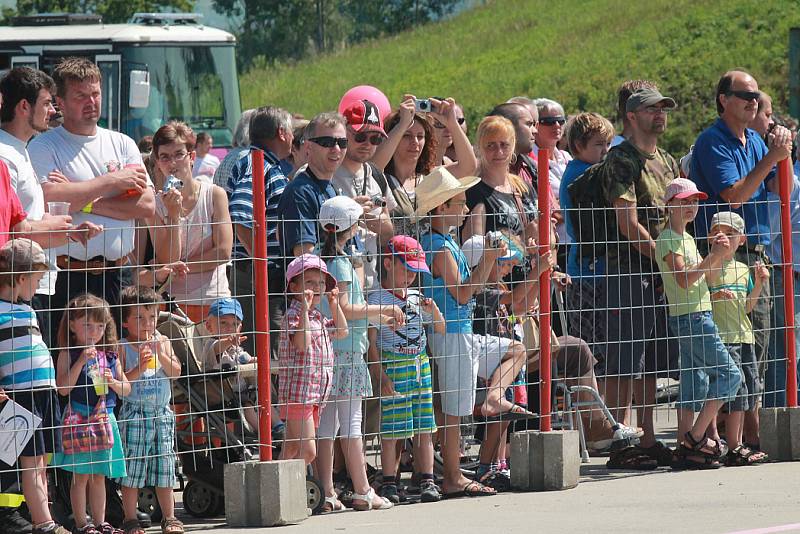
x=298, y=210
x=719, y=160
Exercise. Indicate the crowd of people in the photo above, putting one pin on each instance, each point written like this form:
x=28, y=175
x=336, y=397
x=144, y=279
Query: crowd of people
x=403, y=271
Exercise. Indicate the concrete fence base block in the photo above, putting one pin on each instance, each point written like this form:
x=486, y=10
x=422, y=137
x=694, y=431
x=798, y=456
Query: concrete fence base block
x=780, y=433
x=265, y=494
x=544, y=461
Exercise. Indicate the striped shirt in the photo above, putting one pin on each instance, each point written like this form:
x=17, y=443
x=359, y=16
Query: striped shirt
x=223, y=173
x=25, y=362
x=240, y=198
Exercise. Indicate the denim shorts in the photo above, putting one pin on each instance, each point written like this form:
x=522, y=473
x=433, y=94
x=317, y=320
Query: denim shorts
x=707, y=370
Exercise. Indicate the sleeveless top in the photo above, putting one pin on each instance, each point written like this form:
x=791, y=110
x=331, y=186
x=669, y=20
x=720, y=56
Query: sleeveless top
x=457, y=316
x=152, y=388
x=83, y=397
x=195, y=231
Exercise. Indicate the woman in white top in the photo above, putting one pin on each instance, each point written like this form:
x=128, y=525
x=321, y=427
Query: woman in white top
x=191, y=225
x=550, y=130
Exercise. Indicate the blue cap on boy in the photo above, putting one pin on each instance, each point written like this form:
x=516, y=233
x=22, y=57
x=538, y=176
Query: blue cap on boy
x=226, y=306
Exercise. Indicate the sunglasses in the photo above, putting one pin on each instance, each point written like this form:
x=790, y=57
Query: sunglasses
x=745, y=95
x=551, y=121
x=375, y=139
x=327, y=141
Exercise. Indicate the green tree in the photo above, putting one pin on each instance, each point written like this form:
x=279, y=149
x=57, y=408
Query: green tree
x=112, y=11
x=280, y=31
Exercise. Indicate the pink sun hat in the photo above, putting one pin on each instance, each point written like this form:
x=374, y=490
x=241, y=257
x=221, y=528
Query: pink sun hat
x=683, y=188
x=303, y=263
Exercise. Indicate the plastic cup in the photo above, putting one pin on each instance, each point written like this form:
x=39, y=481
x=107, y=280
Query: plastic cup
x=58, y=208
x=100, y=385
x=153, y=363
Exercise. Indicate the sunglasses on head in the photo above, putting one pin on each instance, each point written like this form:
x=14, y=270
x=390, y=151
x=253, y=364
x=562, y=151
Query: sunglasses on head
x=374, y=139
x=328, y=141
x=745, y=95
x=550, y=121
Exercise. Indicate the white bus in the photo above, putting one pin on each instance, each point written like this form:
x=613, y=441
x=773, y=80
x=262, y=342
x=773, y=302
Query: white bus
x=158, y=67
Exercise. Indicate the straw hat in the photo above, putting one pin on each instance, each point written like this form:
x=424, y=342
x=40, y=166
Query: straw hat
x=438, y=187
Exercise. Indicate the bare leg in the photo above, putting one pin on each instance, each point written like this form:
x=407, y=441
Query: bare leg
x=617, y=393
x=502, y=378
x=130, y=502
x=733, y=429
x=389, y=454
x=454, y=480
x=423, y=453
x=491, y=442
x=752, y=425
x=97, y=498
x=644, y=390
x=77, y=496
x=34, y=488
x=166, y=499
x=324, y=466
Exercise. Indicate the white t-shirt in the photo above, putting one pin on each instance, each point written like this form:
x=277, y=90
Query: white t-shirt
x=29, y=191
x=82, y=158
x=205, y=166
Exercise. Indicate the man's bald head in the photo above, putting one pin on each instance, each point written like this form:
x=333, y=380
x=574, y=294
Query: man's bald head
x=730, y=81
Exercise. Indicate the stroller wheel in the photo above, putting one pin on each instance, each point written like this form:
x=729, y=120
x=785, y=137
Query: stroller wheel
x=199, y=500
x=314, y=494
x=148, y=503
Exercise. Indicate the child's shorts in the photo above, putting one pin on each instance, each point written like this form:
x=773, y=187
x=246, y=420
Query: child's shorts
x=411, y=411
x=294, y=411
x=42, y=403
x=460, y=360
x=744, y=355
x=148, y=434
x=707, y=371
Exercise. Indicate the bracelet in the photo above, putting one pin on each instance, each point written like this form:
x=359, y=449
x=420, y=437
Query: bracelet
x=88, y=207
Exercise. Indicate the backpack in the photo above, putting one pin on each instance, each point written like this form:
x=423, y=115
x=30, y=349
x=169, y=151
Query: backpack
x=594, y=224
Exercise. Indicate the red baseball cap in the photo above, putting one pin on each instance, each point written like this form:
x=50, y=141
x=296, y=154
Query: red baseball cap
x=364, y=116
x=409, y=251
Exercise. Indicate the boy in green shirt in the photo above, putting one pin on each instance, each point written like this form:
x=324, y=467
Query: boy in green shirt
x=733, y=295
x=708, y=375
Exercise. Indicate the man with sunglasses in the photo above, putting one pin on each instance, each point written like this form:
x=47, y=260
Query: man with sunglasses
x=360, y=180
x=736, y=168
x=326, y=146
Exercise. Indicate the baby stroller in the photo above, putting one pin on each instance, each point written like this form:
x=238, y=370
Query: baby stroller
x=210, y=428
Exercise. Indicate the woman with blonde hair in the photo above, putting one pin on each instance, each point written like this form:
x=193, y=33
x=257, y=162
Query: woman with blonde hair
x=501, y=200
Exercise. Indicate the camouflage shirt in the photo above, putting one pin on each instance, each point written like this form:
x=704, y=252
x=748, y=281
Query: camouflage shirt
x=628, y=180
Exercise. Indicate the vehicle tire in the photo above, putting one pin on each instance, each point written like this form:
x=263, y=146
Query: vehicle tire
x=315, y=495
x=148, y=503
x=200, y=500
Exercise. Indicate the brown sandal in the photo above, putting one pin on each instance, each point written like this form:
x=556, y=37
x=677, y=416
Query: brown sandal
x=170, y=525
x=132, y=526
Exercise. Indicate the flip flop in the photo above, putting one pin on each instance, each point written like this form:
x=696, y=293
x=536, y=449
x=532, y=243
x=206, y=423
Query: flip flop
x=471, y=489
x=516, y=413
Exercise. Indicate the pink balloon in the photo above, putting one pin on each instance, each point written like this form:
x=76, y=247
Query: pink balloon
x=366, y=92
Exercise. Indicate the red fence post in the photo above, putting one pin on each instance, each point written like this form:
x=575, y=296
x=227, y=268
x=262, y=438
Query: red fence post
x=785, y=179
x=261, y=306
x=544, y=290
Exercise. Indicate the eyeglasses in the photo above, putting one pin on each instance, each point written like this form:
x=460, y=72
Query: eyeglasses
x=440, y=126
x=655, y=110
x=177, y=157
x=361, y=137
x=551, y=121
x=745, y=95
x=327, y=141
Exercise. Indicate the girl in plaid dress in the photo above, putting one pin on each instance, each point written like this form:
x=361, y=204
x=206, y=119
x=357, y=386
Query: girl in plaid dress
x=305, y=358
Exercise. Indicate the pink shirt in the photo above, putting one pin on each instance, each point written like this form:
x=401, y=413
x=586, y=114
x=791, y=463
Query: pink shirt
x=305, y=378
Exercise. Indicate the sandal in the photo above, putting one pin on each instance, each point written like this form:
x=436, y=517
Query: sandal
x=132, y=526
x=694, y=462
x=496, y=480
x=88, y=528
x=332, y=504
x=658, y=452
x=368, y=498
x=472, y=489
x=742, y=455
x=632, y=459
x=516, y=413
x=703, y=447
x=170, y=525
x=106, y=528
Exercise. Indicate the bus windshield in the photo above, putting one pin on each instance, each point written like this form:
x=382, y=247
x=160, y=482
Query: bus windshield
x=195, y=84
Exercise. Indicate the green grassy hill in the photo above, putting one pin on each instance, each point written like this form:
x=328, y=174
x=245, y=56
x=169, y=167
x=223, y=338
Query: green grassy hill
x=574, y=51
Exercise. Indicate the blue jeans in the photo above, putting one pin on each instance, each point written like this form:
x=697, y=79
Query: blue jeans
x=707, y=370
x=775, y=377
